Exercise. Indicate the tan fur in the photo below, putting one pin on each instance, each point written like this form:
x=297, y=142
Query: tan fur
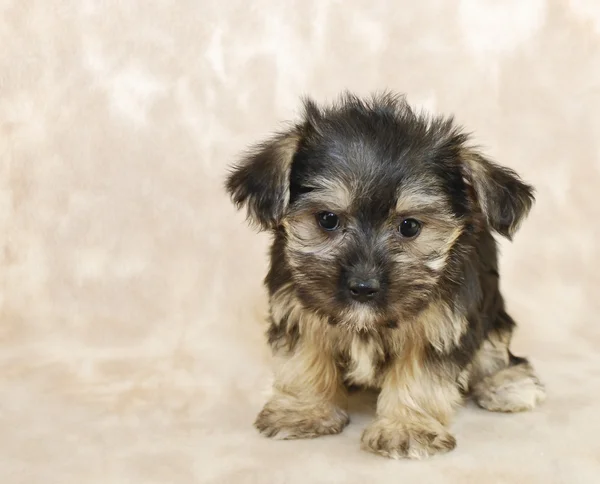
x=513, y=389
x=417, y=398
x=478, y=171
x=498, y=387
x=437, y=263
x=333, y=195
x=284, y=302
x=491, y=357
x=415, y=406
x=284, y=147
x=357, y=319
x=286, y=417
x=284, y=306
x=433, y=244
x=414, y=437
x=440, y=230
x=411, y=385
x=442, y=327
x=412, y=200
x=464, y=378
x=363, y=357
x=308, y=398
x=306, y=238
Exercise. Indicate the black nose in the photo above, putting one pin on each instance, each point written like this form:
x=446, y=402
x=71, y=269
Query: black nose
x=363, y=291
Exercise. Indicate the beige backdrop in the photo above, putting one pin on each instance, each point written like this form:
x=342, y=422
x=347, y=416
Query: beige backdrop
x=131, y=323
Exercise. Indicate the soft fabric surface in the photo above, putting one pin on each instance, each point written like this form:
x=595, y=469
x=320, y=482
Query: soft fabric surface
x=132, y=310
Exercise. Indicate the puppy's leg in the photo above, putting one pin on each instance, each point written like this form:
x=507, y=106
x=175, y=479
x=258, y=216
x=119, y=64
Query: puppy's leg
x=502, y=382
x=515, y=388
x=414, y=409
x=308, y=397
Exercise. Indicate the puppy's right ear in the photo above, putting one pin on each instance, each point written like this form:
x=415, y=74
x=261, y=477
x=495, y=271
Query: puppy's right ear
x=261, y=181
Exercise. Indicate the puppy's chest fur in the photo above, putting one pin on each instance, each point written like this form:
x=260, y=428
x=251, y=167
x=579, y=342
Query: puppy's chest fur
x=360, y=356
x=362, y=360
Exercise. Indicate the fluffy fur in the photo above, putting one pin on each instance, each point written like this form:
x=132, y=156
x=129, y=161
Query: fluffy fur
x=436, y=329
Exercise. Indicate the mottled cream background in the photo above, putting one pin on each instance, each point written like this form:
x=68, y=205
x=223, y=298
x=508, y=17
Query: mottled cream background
x=131, y=304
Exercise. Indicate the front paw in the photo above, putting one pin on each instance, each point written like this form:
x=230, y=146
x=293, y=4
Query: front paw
x=286, y=418
x=405, y=439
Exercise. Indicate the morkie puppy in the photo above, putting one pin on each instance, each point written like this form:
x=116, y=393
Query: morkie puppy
x=384, y=273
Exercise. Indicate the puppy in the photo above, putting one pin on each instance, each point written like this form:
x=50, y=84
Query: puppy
x=384, y=273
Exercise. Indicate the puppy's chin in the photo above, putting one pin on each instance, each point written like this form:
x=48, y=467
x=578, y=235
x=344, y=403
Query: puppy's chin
x=361, y=318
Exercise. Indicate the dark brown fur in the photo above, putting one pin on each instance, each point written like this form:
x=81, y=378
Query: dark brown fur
x=436, y=325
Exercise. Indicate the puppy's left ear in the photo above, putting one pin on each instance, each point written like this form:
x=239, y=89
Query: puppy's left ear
x=504, y=198
x=261, y=181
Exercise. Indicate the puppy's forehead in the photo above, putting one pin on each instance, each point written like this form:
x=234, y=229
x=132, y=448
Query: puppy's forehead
x=358, y=175
x=417, y=194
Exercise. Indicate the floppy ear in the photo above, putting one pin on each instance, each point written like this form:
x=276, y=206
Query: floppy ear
x=504, y=198
x=261, y=181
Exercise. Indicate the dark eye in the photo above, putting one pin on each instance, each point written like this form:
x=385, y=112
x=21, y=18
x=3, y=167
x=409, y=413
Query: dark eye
x=328, y=220
x=410, y=228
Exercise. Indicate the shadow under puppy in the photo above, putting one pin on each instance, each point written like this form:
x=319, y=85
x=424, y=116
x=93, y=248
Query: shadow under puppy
x=384, y=273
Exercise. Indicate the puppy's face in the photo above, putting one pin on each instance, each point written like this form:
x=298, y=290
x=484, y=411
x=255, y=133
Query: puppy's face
x=371, y=219
x=378, y=206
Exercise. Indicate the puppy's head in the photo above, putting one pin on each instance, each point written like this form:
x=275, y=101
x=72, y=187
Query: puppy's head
x=378, y=205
